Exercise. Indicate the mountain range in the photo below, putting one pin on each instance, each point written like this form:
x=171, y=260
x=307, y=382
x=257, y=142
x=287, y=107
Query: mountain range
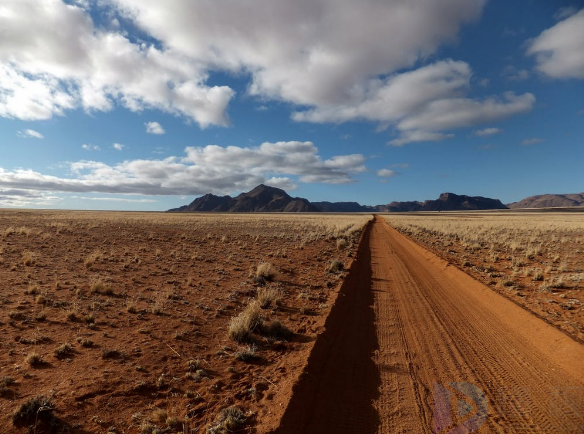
x=550, y=201
x=270, y=199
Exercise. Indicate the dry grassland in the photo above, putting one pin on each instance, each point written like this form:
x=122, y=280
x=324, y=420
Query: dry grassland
x=151, y=323
x=536, y=259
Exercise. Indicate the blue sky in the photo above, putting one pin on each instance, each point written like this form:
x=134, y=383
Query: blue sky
x=144, y=105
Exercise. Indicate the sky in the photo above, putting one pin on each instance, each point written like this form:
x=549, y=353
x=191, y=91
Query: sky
x=146, y=105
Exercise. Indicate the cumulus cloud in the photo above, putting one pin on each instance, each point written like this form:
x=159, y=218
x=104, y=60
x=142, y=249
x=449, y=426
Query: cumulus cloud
x=44, y=72
x=330, y=57
x=311, y=52
x=488, y=132
x=215, y=169
x=154, y=128
x=530, y=142
x=30, y=134
x=559, y=50
x=118, y=146
x=89, y=147
x=423, y=102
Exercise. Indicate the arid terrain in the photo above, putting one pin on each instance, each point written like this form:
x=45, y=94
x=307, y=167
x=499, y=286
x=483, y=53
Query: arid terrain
x=124, y=322
x=534, y=259
x=285, y=324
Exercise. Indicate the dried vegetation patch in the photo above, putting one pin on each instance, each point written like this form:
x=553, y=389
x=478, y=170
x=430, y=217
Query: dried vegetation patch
x=161, y=322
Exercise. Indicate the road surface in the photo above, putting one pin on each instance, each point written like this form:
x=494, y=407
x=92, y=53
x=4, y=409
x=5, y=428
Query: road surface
x=415, y=345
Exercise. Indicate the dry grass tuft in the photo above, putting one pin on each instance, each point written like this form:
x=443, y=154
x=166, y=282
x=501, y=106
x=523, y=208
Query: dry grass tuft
x=243, y=325
x=63, y=350
x=5, y=383
x=266, y=272
x=229, y=419
x=335, y=267
x=33, y=359
x=247, y=353
x=269, y=297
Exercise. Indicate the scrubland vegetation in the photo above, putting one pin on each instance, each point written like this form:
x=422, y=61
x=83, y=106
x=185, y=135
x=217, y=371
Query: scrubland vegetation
x=143, y=322
x=535, y=258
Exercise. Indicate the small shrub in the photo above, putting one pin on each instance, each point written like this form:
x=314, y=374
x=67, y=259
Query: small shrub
x=159, y=416
x=33, y=359
x=39, y=408
x=335, y=266
x=242, y=326
x=341, y=243
x=537, y=276
x=247, y=353
x=268, y=297
x=28, y=259
x=63, y=350
x=229, y=419
x=194, y=365
x=5, y=383
x=85, y=342
x=266, y=271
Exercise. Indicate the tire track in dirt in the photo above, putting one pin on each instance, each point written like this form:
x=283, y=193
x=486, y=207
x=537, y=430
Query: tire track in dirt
x=406, y=320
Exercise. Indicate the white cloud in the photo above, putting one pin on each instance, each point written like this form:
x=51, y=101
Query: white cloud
x=89, y=147
x=118, y=146
x=559, y=50
x=210, y=169
x=154, y=128
x=419, y=136
x=312, y=52
x=386, y=173
x=488, y=132
x=326, y=56
x=26, y=198
x=452, y=113
x=423, y=102
x=533, y=141
x=44, y=72
x=26, y=134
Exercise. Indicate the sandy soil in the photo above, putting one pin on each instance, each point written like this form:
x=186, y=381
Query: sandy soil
x=144, y=302
x=535, y=259
x=407, y=320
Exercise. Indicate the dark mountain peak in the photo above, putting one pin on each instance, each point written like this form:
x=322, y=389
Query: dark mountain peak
x=456, y=202
x=265, y=191
x=262, y=198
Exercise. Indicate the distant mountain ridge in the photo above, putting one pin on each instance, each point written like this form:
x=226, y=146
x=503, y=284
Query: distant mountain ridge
x=270, y=199
x=550, y=201
x=260, y=199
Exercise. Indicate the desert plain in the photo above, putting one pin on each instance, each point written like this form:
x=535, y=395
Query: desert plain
x=120, y=322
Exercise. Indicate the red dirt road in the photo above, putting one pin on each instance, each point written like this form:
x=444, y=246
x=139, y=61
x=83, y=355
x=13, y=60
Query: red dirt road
x=404, y=321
